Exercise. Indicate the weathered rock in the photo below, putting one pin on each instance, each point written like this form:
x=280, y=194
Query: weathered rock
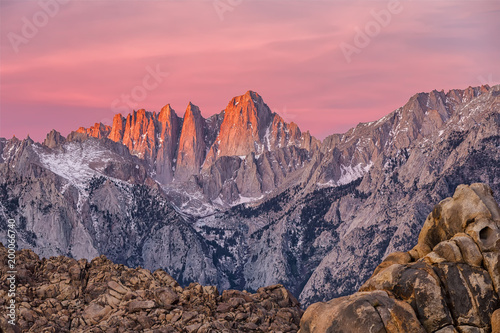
x=361, y=312
x=135, y=306
x=118, y=288
x=166, y=296
x=447, y=329
x=470, y=251
x=495, y=321
x=69, y=296
x=453, y=285
x=492, y=264
x=470, y=292
x=95, y=312
x=391, y=259
x=468, y=211
x=449, y=251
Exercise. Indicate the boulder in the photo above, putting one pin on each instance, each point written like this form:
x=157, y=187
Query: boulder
x=449, y=281
x=495, y=321
x=454, y=215
x=166, y=296
x=393, y=258
x=469, y=249
x=362, y=312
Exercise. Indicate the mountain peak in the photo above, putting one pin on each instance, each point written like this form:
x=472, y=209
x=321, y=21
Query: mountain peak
x=248, y=126
x=167, y=115
x=191, y=149
x=53, y=139
x=246, y=119
x=98, y=130
x=249, y=96
x=249, y=107
x=117, y=128
x=167, y=110
x=253, y=95
x=192, y=110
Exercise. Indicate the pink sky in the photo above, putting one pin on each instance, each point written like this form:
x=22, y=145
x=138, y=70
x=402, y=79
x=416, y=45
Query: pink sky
x=90, y=53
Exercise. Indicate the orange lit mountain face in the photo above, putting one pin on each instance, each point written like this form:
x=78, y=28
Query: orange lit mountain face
x=243, y=199
x=179, y=148
x=99, y=130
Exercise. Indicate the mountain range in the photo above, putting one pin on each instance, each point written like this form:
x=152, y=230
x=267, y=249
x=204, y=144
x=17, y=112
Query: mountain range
x=243, y=199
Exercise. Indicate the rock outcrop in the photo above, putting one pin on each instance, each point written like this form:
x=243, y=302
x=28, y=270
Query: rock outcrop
x=192, y=147
x=54, y=139
x=61, y=294
x=98, y=130
x=449, y=282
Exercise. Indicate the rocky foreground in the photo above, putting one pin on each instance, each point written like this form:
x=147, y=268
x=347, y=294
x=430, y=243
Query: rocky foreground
x=449, y=282
x=61, y=294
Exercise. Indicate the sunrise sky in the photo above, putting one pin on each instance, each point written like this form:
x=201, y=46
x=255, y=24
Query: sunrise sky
x=84, y=56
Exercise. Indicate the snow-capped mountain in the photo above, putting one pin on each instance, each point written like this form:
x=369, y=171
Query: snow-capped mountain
x=243, y=199
x=237, y=155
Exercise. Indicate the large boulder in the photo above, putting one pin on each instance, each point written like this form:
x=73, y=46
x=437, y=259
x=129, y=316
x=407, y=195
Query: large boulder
x=449, y=282
x=472, y=210
x=362, y=312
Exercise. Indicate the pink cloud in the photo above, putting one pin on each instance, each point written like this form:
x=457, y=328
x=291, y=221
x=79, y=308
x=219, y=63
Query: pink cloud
x=90, y=53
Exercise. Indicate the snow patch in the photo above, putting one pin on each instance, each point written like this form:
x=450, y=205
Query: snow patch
x=349, y=173
x=243, y=200
x=267, y=138
x=73, y=164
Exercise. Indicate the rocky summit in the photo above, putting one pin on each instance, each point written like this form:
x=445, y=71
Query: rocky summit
x=449, y=282
x=210, y=149
x=61, y=294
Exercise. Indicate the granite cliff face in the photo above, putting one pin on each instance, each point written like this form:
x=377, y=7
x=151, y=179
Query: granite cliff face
x=315, y=217
x=449, y=282
x=218, y=158
x=250, y=126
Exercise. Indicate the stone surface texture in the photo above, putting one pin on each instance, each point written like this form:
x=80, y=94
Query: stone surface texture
x=62, y=294
x=449, y=282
